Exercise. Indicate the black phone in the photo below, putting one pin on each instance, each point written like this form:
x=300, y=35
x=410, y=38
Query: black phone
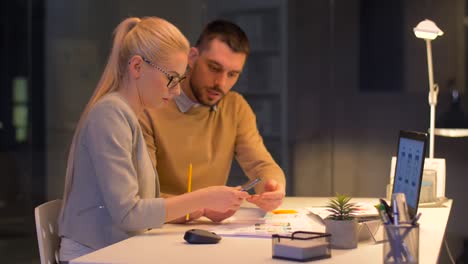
x=250, y=184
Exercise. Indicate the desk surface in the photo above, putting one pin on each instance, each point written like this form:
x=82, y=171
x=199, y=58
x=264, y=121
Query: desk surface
x=166, y=245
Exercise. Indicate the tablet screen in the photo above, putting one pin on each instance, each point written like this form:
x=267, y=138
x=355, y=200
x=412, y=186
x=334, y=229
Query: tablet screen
x=409, y=167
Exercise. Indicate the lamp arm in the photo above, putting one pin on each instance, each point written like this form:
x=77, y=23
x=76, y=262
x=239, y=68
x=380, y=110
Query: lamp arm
x=433, y=93
x=432, y=98
x=429, y=65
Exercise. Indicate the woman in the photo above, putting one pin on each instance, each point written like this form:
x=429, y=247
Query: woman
x=111, y=189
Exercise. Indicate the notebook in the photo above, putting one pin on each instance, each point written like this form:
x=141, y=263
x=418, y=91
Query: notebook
x=409, y=167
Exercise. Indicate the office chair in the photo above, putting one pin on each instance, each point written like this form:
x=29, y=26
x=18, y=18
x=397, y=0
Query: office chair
x=46, y=216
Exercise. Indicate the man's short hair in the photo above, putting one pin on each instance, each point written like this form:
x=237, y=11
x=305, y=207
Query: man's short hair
x=227, y=32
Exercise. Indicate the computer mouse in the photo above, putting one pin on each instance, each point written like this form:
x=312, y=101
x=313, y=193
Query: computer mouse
x=200, y=236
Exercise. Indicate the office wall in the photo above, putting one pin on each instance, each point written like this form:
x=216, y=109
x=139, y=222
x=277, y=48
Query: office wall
x=352, y=131
x=342, y=138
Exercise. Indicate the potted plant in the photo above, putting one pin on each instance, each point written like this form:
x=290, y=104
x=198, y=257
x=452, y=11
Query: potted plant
x=342, y=224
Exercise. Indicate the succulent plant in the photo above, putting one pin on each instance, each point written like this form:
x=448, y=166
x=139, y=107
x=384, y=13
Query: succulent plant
x=341, y=208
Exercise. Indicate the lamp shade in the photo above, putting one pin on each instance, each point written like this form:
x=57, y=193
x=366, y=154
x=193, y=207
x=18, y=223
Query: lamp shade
x=427, y=29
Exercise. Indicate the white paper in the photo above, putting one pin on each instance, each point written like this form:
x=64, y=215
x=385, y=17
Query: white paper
x=245, y=224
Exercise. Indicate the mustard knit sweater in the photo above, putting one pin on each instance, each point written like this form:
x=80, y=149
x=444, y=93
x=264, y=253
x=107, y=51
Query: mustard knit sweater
x=209, y=139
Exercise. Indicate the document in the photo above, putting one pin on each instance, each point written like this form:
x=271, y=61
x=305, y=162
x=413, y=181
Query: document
x=251, y=223
x=364, y=210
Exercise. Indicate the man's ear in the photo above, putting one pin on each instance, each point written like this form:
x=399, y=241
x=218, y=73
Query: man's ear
x=193, y=56
x=134, y=67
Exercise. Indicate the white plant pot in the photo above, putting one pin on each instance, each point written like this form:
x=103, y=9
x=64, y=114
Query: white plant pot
x=344, y=233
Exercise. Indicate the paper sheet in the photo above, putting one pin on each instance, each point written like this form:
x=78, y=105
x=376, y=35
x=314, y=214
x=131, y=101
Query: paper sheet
x=252, y=224
x=364, y=210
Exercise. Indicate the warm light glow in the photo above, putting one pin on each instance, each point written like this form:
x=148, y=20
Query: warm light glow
x=427, y=29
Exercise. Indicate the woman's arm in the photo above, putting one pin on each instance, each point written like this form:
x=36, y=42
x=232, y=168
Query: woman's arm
x=109, y=140
x=218, y=198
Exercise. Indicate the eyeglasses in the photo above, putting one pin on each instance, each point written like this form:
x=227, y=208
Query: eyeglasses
x=174, y=79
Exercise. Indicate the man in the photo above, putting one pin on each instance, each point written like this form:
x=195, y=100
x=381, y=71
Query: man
x=207, y=125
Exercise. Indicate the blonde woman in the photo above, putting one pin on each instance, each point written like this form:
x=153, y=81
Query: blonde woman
x=111, y=187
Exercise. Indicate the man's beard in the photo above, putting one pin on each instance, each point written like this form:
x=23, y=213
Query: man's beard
x=197, y=92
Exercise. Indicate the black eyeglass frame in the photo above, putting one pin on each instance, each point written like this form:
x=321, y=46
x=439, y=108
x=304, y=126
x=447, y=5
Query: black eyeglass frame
x=173, y=80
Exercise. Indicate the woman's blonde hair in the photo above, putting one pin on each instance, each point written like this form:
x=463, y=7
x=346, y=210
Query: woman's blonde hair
x=151, y=37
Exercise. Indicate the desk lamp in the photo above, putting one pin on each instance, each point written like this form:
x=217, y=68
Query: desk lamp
x=428, y=31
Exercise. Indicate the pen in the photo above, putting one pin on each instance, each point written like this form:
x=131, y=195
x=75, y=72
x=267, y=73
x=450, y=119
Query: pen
x=384, y=215
x=387, y=209
x=415, y=219
x=393, y=237
x=189, y=185
x=406, y=252
x=249, y=185
x=395, y=213
x=395, y=252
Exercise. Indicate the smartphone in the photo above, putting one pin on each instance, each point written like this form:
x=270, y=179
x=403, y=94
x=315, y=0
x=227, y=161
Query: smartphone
x=250, y=184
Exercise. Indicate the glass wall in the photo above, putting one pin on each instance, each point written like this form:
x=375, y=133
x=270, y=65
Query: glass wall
x=22, y=120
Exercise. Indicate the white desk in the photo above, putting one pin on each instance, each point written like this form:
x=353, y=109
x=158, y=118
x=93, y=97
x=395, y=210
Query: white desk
x=167, y=245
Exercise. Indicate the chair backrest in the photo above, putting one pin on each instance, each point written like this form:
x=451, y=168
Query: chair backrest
x=46, y=216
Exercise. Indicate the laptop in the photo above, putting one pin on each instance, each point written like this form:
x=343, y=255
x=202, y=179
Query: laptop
x=409, y=167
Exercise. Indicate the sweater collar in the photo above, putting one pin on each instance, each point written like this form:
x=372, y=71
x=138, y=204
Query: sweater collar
x=184, y=103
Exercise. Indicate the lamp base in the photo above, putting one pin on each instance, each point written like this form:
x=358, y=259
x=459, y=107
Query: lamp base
x=431, y=166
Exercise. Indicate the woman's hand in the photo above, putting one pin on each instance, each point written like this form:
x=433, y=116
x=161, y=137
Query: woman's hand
x=223, y=198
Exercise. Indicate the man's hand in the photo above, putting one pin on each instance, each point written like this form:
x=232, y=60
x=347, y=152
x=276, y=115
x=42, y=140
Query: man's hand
x=193, y=216
x=216, y=216
x=271, y=198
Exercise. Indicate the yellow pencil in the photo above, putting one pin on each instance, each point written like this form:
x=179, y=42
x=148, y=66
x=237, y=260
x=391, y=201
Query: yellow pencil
x=189, y=185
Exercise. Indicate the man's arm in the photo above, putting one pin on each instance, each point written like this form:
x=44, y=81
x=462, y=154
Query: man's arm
x=256, y=161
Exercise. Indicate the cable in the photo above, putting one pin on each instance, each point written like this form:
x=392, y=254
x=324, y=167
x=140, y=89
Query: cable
x=448, y=251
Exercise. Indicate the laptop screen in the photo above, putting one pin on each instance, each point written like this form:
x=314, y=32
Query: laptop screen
x=409, y=167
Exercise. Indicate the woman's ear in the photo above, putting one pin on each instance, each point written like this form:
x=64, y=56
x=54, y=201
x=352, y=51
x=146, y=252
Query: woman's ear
x=134, y=67
x=193, y=56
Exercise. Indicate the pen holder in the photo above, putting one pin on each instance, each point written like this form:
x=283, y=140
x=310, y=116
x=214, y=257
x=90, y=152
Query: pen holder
x=301, y=246
x=402, y=245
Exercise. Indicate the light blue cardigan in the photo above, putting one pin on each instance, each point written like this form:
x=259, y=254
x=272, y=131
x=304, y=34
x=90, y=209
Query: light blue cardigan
x=114, y=187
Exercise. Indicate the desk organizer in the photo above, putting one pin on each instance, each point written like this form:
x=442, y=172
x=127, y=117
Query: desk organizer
x=402, y=244
x=368, y=230
x=301, y=246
